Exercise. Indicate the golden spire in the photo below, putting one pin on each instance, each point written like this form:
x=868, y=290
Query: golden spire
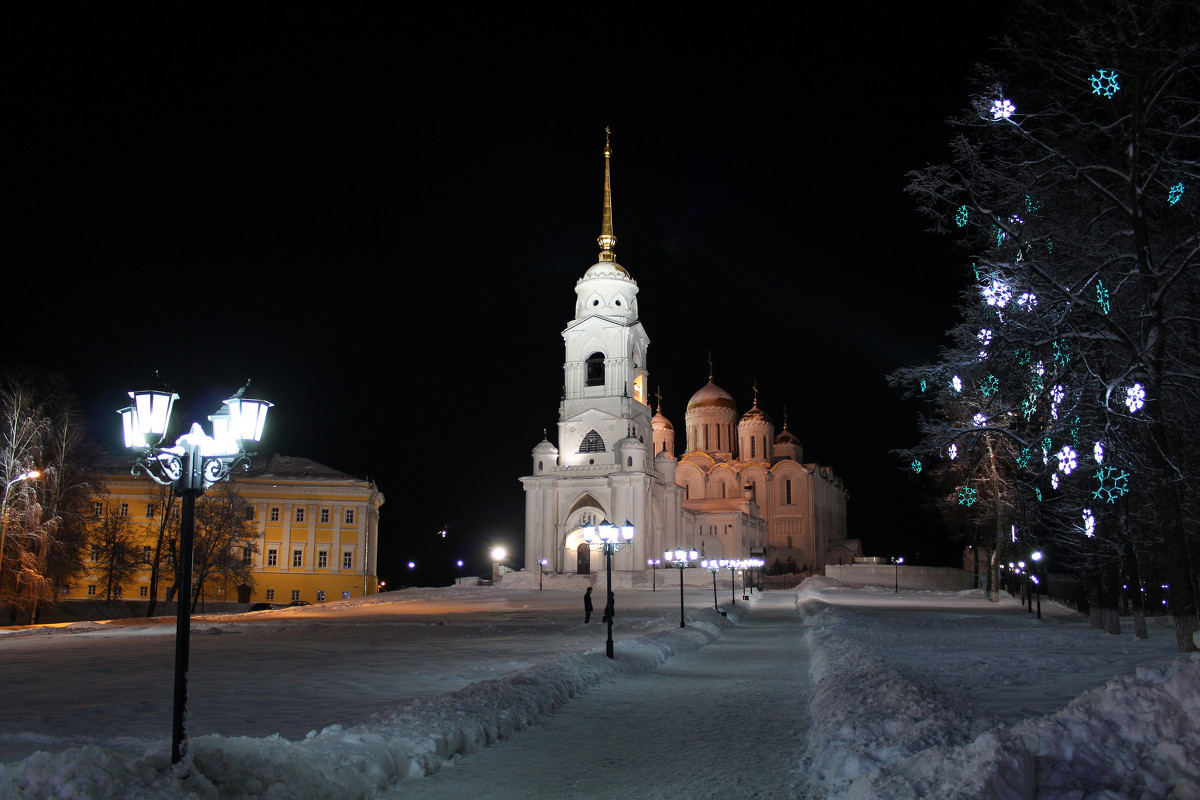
x=606, y=239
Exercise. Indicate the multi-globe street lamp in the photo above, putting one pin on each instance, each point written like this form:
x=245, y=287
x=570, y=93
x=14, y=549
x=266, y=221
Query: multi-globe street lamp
x=609, y=539
x=680, y=559
x=189, y=467
x=1037, y=584
x=653, y=564
x=714, y=566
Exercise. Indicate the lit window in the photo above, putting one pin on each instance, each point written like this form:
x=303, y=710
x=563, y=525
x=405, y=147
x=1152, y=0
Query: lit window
x=272, y=558
x=274, y=513
x=349, y=516
x=297, y=558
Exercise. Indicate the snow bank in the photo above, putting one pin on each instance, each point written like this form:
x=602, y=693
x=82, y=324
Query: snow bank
x=355, y=762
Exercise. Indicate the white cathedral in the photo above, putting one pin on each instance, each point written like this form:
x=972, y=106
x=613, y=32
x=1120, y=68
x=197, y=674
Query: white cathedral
x=738, y=491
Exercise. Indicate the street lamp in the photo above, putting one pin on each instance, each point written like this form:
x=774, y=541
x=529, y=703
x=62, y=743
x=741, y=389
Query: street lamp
x=713, y=566
x=653, y=564
x=193, y=464
x=899, y=560
x=734, y=566
x=681, y=559
x=608, y=538
x=1037, y=584
x=541, y=571
x=32, y=474
x=498, y=555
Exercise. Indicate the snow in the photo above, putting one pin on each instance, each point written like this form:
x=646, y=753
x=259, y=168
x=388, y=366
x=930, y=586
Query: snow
x=826, y=692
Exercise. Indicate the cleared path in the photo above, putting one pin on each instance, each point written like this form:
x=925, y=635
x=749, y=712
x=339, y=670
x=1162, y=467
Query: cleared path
x=727, y=720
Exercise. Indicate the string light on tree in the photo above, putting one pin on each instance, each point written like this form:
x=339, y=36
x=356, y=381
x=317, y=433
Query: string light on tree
x=997, y=293
x=1104, y=82
x=956, y=384
x=1098, y=452
x=1054, y=481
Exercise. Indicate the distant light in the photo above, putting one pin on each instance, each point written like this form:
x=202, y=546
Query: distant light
x=499, y=554
x=412, y=565
x=460, y=562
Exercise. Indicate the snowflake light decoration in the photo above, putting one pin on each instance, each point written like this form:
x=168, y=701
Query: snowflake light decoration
x=979, y=419
x=1135, y=398
x=952, y=451
x=984, y=336
x=989, y=386
x=956, y=384
x=1089, y=523
x=1023, y=459
x=1062, y=353
x=1104, y=82
x=1066, y=460
x=1028, y=406
x=1102, y=297
x=1114, y=484
x=916, y=466
x=1054, y=481
x=1098, y=452
x=967, y=496
x=997, y=293
x=1027, y=301
x=961, y=216
x=1038, y=493
x=1001, y=234
x=1003, y=108
x=924, y=385
x=1031, y=205
x=1175, y=193
x=1057, y=395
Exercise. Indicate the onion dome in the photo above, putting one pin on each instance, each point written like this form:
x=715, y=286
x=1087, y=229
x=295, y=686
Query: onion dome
x=711, y=396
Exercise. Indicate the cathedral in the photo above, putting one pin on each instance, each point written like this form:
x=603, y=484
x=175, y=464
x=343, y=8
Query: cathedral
x=739, y=490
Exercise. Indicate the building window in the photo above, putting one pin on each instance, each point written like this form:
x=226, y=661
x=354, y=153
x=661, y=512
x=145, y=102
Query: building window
x=320, y=595
x=247, y=556
x=347, y=560
x=91, y=590
x=124, y=509
x=299, y=513
x=95, y=552
x=787, y=491
x=145, y=554
x=272, y=558
x=175, y=513
x=595, y=370
x=143, y=591
x=322, y=559
x=274, y=513
x=151, y=510
x=98, y=508
x=297, y=558
x=592, y=443
x=349, y=516
x=249, y=513
x=295, y=594
x=270, y=594
x=324, y=515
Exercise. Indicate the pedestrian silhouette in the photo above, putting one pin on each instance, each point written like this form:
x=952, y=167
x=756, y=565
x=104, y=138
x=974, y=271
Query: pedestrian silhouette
x=587, y=605
x=608, y=609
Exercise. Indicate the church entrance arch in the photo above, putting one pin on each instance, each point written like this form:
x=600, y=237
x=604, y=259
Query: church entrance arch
x=583, y=559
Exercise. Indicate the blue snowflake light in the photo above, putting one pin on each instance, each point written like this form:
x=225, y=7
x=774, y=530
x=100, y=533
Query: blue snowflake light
x=1023, y=459
x=1114, y=484
x=989, y=385
x=1175, y=193
x=967, y=496
x=916, y=466
x=1089, y=523
x=1028, y=406
x=1038, y=493
x=924, y=385
x=961, y=216
x=1102, y=297
x=1003, y=108
x=1135, y=398
x=1104, y=83
x=1062, y=354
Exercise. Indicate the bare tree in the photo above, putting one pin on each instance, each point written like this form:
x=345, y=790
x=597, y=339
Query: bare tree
x=224, y=539
x=115, y=550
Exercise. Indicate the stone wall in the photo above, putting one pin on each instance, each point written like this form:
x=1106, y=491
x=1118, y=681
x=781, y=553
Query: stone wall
x=909, y=577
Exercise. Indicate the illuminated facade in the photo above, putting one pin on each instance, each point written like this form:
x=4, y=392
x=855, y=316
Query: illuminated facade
x=317, y=533
x=738, y=491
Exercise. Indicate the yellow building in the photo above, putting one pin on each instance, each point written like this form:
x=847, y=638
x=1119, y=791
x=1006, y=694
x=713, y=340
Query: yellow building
x=317, y=534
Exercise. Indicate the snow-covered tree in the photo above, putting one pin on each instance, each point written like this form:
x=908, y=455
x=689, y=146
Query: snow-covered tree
x=1074, y=190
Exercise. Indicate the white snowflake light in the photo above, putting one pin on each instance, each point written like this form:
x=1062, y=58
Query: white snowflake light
x=1002, y=108
x=1027, y=300
x=997, y=294
x=1098, y=452
x=984, y=336
x=956, y=384
x=1040, y=369
x=1135, y=398
x=952, y=451
x=980, y=420
x=1054, y=481
x=1089, y=523
x=1066, y=460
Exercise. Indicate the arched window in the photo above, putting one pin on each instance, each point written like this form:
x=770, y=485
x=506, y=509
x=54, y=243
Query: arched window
x=592, y=443
x=752, y=447
x=595, y=370
x=787, y=486
x=629, y=461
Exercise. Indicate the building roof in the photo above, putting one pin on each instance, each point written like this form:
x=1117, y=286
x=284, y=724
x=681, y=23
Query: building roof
x=711, y=396
x=281, y=466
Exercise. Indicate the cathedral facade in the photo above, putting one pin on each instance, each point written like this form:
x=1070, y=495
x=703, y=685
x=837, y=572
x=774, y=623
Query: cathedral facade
x=739, y=489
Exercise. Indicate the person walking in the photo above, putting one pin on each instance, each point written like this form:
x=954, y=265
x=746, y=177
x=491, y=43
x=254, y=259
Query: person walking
x=608, y=608
x=587, y=605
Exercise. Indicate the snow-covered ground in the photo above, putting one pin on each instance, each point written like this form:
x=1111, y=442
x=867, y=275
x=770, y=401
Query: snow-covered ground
x=909, y=695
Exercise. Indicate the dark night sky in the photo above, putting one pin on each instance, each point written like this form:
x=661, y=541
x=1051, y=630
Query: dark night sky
x=387, y=215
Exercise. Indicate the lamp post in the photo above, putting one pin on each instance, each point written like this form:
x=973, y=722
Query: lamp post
x=32, y=474
x=609, y=539
x=498, y=555
x=194, y=463
x=653, y=564
x=445, y=564
x=680, y=559
x=899, y=560
x=541, y=571
x=713, y=566
x=733, y=568
x=1037, y=583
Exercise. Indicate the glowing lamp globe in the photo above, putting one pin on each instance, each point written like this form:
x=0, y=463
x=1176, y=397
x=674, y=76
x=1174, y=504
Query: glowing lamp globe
x=145, y=422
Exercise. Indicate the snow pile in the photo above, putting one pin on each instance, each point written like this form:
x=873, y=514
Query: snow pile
x=877, y=736
x=359, y=761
